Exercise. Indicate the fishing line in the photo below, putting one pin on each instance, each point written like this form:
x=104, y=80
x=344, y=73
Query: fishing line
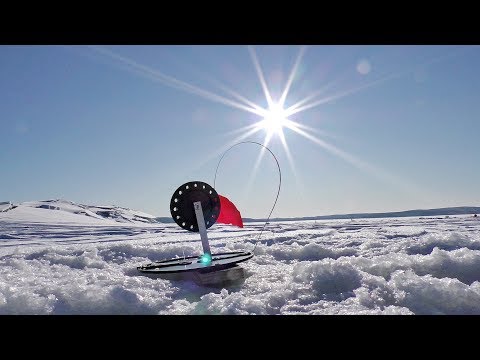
x=279, y=184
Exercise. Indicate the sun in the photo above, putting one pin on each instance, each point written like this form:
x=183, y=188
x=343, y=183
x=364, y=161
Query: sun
x=274, y=119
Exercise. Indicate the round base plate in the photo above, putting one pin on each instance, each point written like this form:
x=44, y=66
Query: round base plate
x=219, y=261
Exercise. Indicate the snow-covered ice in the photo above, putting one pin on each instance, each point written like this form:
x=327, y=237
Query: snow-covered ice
x=57, y=257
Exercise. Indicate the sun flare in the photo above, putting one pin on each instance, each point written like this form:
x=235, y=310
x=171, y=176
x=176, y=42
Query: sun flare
x=274, y=120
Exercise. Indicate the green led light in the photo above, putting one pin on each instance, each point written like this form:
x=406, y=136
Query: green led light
x=206, y=258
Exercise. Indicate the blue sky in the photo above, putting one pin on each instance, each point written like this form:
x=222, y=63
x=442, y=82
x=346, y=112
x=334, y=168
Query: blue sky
x=390, y=128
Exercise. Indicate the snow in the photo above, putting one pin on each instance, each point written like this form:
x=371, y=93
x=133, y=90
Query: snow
x=57, y=257
x=5, y=206
x=38, y=212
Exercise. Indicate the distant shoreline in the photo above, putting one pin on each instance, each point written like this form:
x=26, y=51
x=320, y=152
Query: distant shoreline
x=459, y=210
x=121, y=214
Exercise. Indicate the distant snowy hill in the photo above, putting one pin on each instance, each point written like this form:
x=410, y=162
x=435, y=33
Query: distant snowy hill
x=5, y=206
x=66, y=211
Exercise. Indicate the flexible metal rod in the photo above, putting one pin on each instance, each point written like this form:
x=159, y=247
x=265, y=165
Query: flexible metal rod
x=279, y=184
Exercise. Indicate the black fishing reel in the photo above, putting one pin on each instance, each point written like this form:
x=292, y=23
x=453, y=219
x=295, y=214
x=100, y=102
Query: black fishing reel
x=182, y=205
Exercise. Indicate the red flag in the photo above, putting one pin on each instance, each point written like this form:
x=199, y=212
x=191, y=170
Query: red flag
x=229, y=213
